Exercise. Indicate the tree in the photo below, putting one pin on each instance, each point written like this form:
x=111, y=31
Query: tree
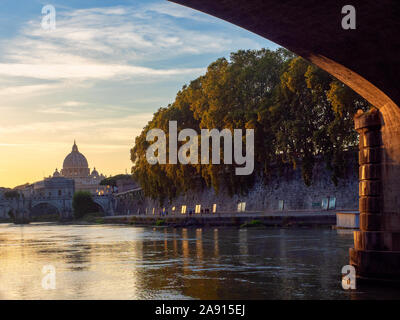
x=82, y=203
x=112, y=181
x=298, y=112
x=314, y=118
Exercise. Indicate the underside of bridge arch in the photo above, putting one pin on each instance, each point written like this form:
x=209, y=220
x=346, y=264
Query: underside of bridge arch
x=367, y=60
x=99, y=206
x=44, y=211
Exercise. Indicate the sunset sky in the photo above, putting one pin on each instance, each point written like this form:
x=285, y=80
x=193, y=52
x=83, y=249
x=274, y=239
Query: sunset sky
x=97, y=78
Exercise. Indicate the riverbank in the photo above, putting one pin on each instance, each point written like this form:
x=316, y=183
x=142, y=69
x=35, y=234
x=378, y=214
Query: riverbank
x=256, y=219
x=226, y=219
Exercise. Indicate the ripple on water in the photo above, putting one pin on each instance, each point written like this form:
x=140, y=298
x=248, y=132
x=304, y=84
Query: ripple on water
x=123, y=262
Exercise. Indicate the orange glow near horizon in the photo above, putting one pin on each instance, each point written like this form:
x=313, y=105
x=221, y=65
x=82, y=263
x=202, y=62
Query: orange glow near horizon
x=31, y=163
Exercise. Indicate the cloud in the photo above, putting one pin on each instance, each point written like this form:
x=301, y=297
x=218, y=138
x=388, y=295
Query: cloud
x=100, y=76
x=28, y=90
x=73, y=103
x=85, y=126
x=109, y=44
x=57, y=110
x=121, y=34
x=86, y=71
x=177, y=11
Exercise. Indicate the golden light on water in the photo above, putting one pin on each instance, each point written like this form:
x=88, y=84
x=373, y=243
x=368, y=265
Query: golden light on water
x=126, y=262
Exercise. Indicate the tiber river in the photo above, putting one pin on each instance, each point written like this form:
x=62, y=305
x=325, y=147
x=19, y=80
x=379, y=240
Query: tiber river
x=124, y=262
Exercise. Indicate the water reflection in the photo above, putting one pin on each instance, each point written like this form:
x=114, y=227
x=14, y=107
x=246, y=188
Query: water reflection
x=216, y=246
x=121, y=262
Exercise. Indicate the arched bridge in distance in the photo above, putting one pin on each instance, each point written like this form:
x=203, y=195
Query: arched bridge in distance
x=22, y=208
x=367, y=59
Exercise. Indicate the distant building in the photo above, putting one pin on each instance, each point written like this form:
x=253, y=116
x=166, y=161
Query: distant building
x=126, y=184
x=52, y=187
x=76, y=167
x=56, y=187
x=2, y=191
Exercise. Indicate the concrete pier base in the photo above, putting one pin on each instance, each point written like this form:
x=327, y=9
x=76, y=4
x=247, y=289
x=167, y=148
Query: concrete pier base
x=376, y=252
x=21, y=217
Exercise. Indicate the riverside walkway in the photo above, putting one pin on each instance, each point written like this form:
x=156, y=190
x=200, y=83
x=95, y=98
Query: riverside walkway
x=278, y=219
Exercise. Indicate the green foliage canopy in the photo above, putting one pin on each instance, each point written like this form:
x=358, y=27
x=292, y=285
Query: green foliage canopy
x=298, y=111
x=82, y=203
x=112, y=181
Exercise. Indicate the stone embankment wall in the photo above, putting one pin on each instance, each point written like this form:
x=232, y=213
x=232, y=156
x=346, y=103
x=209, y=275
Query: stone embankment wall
x=246, y=220
x=288, y=187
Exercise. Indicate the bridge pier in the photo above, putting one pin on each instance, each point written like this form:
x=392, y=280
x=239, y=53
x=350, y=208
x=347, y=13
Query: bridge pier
x=21, y=214
x=376, y=252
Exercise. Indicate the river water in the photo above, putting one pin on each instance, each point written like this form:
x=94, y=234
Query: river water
x=125, y=262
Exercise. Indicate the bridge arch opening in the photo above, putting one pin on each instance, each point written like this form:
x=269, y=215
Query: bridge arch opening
x=45, y=211
x=99, y=207
x=365, y=59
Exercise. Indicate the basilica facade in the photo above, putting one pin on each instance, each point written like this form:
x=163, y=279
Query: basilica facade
x=76, y=167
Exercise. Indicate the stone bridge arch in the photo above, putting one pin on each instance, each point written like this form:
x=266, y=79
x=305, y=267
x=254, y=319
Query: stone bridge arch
x=106, y=203
x=35, y=205
x=63, y=206
x=366, y=59
x=101, y=205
